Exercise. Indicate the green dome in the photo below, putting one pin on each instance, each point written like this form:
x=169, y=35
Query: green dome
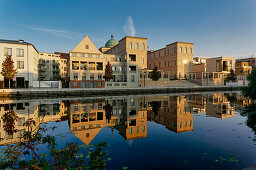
x=112, y=42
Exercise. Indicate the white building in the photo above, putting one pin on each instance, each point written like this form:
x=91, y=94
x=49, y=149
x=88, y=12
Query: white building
x=25, y=57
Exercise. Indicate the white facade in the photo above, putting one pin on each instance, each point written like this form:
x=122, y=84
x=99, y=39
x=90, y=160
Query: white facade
x=25, y=57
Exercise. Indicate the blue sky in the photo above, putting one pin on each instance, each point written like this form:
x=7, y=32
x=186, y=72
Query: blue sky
x=217, y=27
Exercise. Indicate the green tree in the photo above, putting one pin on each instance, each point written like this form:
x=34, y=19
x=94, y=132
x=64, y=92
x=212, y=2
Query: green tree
x=108, y=72
x=155, y=75
x=231, y=76
x=250, y=90
x=8, y=70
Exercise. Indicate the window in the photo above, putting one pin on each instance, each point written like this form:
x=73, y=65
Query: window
x=7, y=51
x=175, y=50
x=143, y=46
x=20, y=52
x=99, y=65
x=99, y=76
x=190, y=50
x=75, y=84
x=113, y=68
x=132, y=68
x=20, y=64
x=168, y=51
x=82, y=55
x=86, y=46
x=89, y=56
x=142, y=60
x=75, y=65
x=73, y=54
x=136, y=46
x=132, y=78
x=130, y=45
x=92, y=76
x=132, y=57
x=99, y=84
x=180, y=49
x=83, y=65
x=186, y=50
x=97, y=56
x=84, y=76
x=75, y=76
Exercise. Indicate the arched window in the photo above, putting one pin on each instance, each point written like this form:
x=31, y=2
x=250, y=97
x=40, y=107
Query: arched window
x=136, y=46
x=130, y=45
x=190, y=50
x=180, y=49
x=143, y=46
x=186, y=50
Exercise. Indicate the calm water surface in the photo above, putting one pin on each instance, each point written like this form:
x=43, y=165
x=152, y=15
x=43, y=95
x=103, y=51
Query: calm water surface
x=185, y=131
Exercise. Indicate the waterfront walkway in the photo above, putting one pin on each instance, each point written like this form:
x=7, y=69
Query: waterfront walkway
x=80, y=92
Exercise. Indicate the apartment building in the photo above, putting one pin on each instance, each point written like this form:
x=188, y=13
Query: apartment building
x=64, y=65
x=87, y=65
x=25, y=57
x=49, y=66
x=220, y=64
x=251, y=61
x=176, y=58
x=127, y=57
x=242, y=71
x=130, y=57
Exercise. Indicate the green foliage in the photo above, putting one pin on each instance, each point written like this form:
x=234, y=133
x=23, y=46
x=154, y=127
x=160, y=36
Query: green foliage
x=250, y=91
x=231, y=76
x=108, y=72
x=155, y=75
x=68, y=157
x=250, y=113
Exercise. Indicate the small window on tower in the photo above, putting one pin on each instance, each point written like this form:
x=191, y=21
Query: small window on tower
x=86, y=46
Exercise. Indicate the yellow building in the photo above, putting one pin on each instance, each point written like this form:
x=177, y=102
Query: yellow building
x=176, y=58
x=175, y=113
x=127, y=57
x=243, y=68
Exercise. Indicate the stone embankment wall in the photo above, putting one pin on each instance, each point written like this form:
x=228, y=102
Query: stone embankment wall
x=79, y=92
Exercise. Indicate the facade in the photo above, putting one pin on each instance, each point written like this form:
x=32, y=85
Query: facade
x=127, y=57
x=220, y=64
x=49, y=66
x=242, y=71
x=87, y=66
x=25, y=57
x=130, y=57
x=243, y=68
x=251, y=61
x=176, y=58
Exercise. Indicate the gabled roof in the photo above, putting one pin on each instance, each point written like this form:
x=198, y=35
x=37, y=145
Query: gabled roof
x=80, y=48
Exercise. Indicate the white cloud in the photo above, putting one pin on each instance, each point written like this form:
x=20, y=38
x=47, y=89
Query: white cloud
x=59, y=33
x=129, y=27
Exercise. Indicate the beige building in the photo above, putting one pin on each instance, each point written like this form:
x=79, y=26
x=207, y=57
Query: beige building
x=49, y=66
x=176, y=58
x=127, y=57
x=25, y=57
x=220, y=64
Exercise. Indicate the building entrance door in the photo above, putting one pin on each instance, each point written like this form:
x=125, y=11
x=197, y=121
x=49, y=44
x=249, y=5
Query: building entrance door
x=20, y=82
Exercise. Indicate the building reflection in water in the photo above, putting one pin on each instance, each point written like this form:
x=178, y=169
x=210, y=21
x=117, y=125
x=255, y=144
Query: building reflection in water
x=128, y=115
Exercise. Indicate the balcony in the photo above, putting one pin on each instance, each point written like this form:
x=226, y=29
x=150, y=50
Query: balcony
x=42, y=69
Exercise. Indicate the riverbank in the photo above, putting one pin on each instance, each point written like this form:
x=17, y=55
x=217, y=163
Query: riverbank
x=83, y=92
